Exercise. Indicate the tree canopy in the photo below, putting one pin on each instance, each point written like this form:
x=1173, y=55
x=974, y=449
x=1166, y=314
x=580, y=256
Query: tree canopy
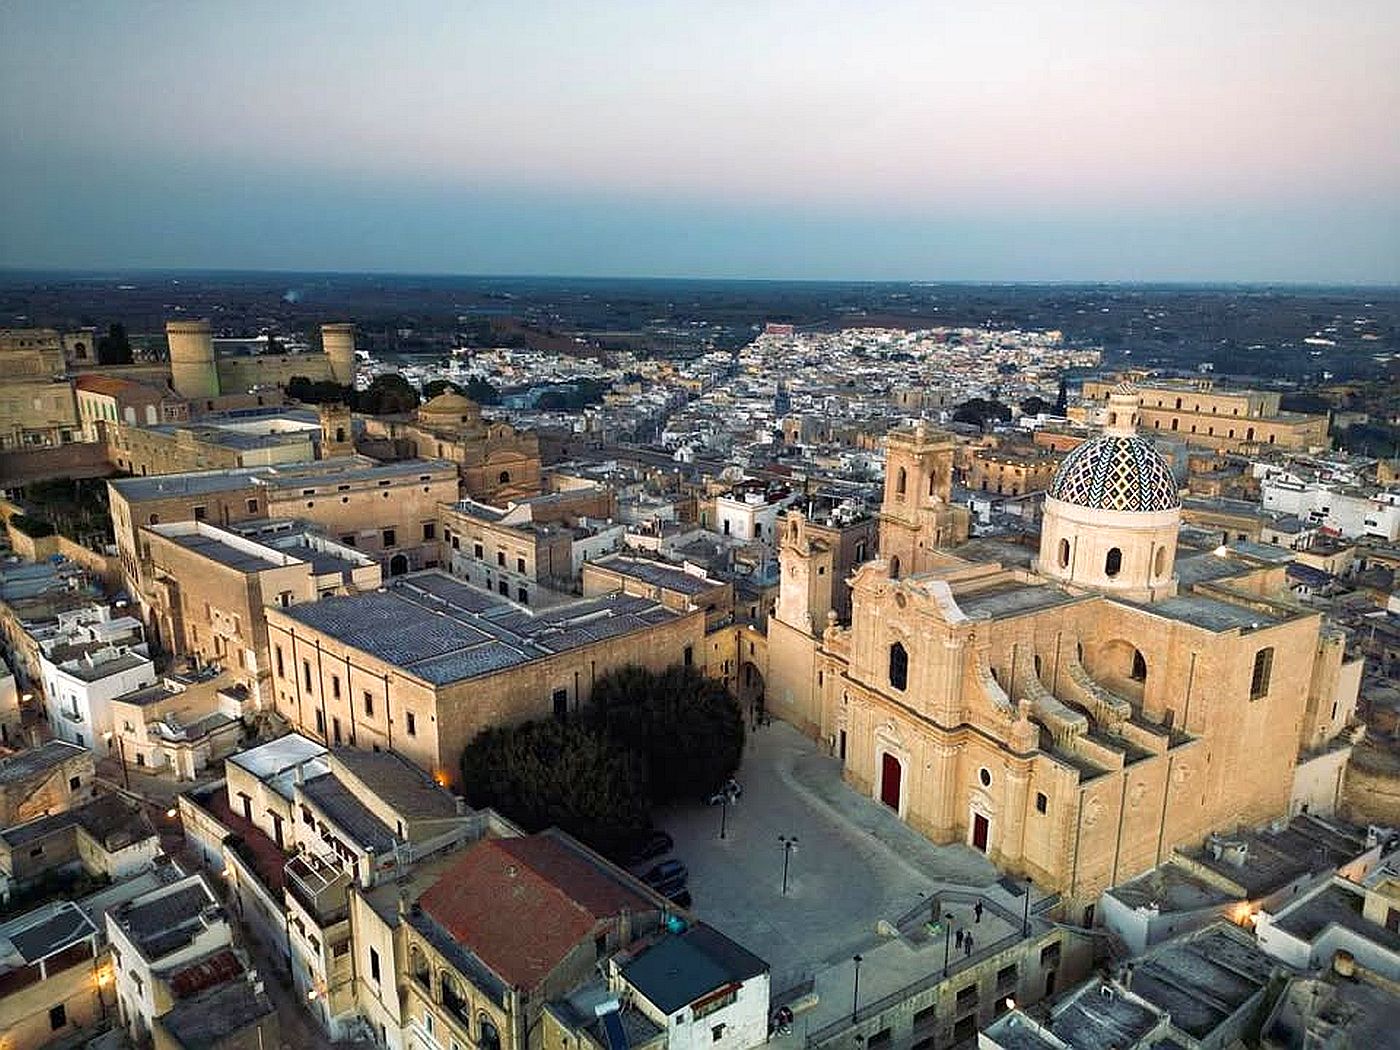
x=686, y=728
x=387, y=394
x=644, y=739
x=114, y=348
x=980, y=411
x=319, y=392
x=560, y=773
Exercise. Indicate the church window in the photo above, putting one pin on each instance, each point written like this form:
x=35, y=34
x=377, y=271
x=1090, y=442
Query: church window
x=1113, y=562
x=901, y=481
x=894, y=567
x=932, y=485
x=1042, y=802
x=504, y=477
x=1064, y=554
x=984, y=777
x=1263, y=669
x=899, y=666
x=1139, y=672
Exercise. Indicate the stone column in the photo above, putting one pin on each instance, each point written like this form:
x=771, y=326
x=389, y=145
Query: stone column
x=1009, y=842
x=944, y=815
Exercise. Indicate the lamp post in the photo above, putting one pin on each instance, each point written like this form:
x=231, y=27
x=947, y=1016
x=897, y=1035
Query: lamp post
x=1026, y=915
x=947, y=939
x=723, y=813
x=855, y=989
x=789, y=844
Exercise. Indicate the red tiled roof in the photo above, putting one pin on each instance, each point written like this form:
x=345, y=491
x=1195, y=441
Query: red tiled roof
x=213, y=969
x=523, y=904
x=114, y=387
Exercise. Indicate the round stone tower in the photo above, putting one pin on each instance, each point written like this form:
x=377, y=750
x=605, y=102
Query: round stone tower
x=193, y=372
x=338, y=341
x=1113, y=512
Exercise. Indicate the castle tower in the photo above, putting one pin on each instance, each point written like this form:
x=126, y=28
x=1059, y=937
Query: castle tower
x=193, y=372
x=916, y=516
x=337, y=432
x=1113, y=512
x=338, y=341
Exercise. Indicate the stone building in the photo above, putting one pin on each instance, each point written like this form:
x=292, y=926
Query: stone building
x=1073, y=715
x=1200, y=413
x=118, y=400
x=386, y=510
x=1010, y=471
x=497, y=463
x=424, y=665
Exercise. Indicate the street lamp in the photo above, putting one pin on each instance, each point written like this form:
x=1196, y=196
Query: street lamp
x=855, y=990
x=789, y=844
x=723, y=812
x=1026, y=915
x=947, y=939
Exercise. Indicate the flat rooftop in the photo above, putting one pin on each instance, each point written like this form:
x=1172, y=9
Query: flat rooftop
x=401, y=785
x=1336, y=904
x=671, y=577
x=1209, y=613
x=339, y=803
x=347, y=470
x=38, y=760
x=1011, y=599
x=442, y=631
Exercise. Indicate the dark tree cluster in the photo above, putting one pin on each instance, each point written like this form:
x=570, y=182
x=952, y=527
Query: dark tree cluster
x=645, y=739
x=980, y=412
x=386, y=394
x=476, y=388
x=114, y=348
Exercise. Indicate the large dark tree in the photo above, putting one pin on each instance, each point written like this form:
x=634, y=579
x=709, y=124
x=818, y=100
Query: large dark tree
x=386, y=395
x=434, y=387
x=980, y=411
x=686, y=727
x=318, y=392
x=558, y=773
x=114, y=348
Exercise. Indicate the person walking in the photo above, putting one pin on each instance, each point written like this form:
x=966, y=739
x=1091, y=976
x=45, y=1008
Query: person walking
x=977, y=912
x=958, y=937
x=967, y=944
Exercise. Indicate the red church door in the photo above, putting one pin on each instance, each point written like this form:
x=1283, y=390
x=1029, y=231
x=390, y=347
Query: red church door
x=980, y=827
x=891, y=772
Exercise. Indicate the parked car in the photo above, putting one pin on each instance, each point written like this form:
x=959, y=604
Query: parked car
x=668, y=871
x=730, y=792
x=652, y=844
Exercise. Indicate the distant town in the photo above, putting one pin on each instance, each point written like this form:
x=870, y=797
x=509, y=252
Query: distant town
x=514, y=664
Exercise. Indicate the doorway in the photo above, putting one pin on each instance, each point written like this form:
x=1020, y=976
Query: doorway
x=841, y=746
x=981, y=828
x=398, y=565
x=891, y=775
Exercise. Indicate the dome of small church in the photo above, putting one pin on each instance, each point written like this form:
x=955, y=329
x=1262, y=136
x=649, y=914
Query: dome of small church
x=1116, y=472
x=449, y=409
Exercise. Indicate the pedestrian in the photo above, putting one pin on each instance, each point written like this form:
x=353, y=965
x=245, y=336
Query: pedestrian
x=977, y=911
x=958, y=937
x=967, y=943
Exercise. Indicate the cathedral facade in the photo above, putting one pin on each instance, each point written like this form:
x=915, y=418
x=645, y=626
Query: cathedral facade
x=1073, y=714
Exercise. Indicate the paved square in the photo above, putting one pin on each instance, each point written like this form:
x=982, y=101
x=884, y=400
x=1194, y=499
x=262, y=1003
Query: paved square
x=855, y=864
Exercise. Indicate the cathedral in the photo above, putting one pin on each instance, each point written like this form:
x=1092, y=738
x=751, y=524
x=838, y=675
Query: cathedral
x=1073, y=713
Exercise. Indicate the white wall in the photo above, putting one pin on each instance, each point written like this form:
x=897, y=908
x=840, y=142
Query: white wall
x=91, y=700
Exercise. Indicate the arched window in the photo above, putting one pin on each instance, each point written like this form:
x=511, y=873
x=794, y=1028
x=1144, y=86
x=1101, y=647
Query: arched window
x=894, y=567
x=901, y=481
x=1159, y=562
x=454, y=999
x=899, y=667
x=1174, y=422
x=932, y=485
x=504, y=477
x=340, y=433
x=1064, y=554
x=1139, y=671
x=1113, y=562
x=490, y=1038
x=418, y=967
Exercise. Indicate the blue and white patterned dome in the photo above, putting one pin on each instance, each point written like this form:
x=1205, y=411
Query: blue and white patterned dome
x=1116, y=472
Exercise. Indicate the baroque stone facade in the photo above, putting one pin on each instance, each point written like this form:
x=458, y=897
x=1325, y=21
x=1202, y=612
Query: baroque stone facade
x=1076, y=719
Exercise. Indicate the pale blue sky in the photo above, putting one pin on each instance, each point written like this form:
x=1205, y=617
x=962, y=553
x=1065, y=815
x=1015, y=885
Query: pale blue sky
x=1055, y=140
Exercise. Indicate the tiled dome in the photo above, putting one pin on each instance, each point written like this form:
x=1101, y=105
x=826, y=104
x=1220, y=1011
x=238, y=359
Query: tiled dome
x=1116, y=473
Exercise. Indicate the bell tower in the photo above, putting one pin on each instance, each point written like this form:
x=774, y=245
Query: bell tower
x=916, y=516
x=337, y=431
x=807, y=584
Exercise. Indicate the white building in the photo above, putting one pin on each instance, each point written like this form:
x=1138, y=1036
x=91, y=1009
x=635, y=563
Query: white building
x=702, y=989
x=155, y=935
x=751, y=512
x=90, y=658
x=1344, y=510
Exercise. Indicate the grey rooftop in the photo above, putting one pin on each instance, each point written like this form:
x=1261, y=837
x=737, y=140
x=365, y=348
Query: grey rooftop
x=18, y=768
x=442, y=631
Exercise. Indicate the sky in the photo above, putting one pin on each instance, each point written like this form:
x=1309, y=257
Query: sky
x=1044, y=140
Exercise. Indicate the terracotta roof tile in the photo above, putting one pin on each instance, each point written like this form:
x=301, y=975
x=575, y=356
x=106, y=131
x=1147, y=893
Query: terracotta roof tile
x=523, y=904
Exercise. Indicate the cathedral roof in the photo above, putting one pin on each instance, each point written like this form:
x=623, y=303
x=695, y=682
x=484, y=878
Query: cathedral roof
x=1116, y=472
x=449, y=403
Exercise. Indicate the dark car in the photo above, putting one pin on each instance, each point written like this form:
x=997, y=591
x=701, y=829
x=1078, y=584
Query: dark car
x=665, y=873
x=652, y=844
